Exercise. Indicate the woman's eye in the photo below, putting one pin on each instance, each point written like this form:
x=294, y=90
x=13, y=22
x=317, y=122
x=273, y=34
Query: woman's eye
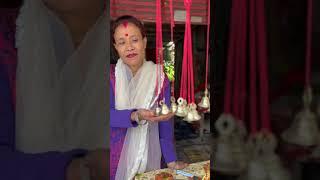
x=121, y=43
x=135, y=40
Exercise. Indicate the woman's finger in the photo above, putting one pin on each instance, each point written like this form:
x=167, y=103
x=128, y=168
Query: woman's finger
x=161, y=117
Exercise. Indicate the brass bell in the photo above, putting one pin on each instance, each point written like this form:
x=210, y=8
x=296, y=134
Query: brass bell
x=164, y=108
x=158, y=111
x=189, y=117
x=173, y=105
x=181, y=109
x=304, y=128
x=196, y=115
x=205, y=101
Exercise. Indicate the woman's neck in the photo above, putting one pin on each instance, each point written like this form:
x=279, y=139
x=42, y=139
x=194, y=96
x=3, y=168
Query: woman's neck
x=135, y=69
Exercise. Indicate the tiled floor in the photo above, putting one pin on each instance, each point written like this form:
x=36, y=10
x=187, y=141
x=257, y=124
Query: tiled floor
x=190, y=145
x=194, y=150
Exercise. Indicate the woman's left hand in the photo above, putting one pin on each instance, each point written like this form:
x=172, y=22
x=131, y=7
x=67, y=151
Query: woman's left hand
x=177, y=165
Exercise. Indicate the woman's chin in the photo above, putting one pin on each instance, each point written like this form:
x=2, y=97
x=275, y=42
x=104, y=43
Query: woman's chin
x=132, y=61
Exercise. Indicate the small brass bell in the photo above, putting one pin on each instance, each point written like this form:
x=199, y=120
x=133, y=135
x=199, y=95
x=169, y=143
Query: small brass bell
x=164, y=108
x=196, y=115
x=158, y=111
x=181, y=109
x=173, y=105
x=304, y=128
x=205, y=101
x=189, y=117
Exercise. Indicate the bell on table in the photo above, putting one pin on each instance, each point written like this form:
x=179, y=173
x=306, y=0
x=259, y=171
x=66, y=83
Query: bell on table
x=173, y=104
x=181, y=110
x=164, y=108
x=205, y=101
x=304, y=128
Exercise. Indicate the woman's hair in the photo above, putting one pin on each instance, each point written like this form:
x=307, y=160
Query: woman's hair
x=129, y=19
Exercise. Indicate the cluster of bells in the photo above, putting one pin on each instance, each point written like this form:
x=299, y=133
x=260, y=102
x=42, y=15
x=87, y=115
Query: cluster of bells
x=253, y=158
x=183, y=109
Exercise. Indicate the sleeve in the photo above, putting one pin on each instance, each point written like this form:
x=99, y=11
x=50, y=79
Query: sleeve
x=21, y=166
x=166, y=132
x=119, y=118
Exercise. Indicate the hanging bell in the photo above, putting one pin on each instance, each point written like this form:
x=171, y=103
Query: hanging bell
x=238, y=139
x=265, y=163
x=164, y=108
x=196, y=115
x=223, y=156
x=173, y=104
x=205, y=102
x=189, y=117
x=181, y=109
x=304, y=128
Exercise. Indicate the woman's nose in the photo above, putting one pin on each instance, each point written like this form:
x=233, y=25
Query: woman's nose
x=129, y=47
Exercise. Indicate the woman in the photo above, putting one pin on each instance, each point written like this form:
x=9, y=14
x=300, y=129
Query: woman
x=138, y=136
x=53, y=120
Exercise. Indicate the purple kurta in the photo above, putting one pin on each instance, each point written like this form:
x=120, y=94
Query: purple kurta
x=120, y=121
x=15, y=165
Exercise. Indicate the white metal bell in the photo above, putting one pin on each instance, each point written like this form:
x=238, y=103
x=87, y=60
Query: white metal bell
x=164, y=108
x=205, y=101
x=196, y=116
x=173, y=105
x=181, y=110
x=223, y=157
x=189, y=117
x=158, y=111
x=304, y=128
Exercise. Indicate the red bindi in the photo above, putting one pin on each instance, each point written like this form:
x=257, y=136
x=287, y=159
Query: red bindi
x=126, y=34
x=125, y=24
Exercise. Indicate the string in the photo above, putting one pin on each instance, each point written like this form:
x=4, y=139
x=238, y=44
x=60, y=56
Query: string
x=207, y=50
x=262, y=58
x=230, y=60
x=252, y=39
x=243, y=59
x=309, y=41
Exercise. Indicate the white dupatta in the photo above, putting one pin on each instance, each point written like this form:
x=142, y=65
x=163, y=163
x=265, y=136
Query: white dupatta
x=61, y=98
x=141, y=150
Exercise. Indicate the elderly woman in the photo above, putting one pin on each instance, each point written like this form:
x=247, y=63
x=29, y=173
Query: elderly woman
x=139, y=138
x=52, y=91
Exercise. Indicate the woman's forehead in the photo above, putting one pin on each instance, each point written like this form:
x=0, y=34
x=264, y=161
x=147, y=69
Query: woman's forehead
x=127, y=28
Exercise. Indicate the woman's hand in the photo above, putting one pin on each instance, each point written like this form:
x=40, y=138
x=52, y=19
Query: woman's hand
x=149, y=115
x=177, y=165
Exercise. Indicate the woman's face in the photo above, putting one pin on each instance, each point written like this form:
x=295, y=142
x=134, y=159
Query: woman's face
x=130, y=44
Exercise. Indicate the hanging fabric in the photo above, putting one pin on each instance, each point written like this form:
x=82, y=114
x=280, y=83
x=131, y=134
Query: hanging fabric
x=264, y=163
x=230, y=155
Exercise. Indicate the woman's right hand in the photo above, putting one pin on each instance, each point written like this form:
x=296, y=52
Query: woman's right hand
x=149, y=115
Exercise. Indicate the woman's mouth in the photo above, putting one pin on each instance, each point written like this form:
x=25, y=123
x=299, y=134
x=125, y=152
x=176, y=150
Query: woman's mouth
x=131, y=55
